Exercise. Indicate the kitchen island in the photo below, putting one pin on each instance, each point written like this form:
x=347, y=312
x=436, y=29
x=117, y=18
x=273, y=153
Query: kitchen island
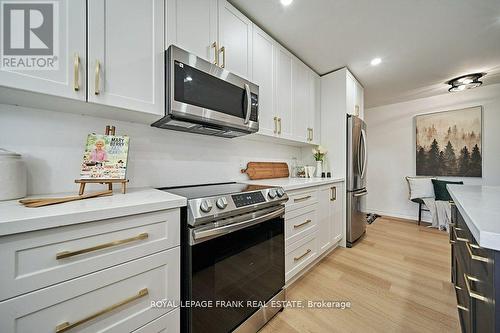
x=475, y=256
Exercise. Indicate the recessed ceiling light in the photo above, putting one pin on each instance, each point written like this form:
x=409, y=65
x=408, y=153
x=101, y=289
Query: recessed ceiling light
x=464, y=82
x=375, y=61
x=286, y=2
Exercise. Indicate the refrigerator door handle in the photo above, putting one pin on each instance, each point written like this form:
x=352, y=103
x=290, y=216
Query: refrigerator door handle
x=363, y=136
x=360, y=194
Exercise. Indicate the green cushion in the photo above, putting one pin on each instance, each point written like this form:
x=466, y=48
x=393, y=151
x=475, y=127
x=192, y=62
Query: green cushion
x=440, y=190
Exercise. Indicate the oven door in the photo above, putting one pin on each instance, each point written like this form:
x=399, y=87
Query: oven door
x=205, y=93
x=240, y=262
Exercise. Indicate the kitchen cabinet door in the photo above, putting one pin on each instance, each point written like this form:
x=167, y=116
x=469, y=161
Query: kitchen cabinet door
x=65, y=50
x=263, y=76
x=284, y=91
x=235, y=39
x=314, y=107
x=126, y=54
x=350, y=94
x=325, y=220
x=337, y=211
x=192, y=25
x=359, y=99
x=330, y=217
x=301, y=107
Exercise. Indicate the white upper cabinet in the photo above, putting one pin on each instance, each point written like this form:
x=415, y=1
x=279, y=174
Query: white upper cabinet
x=126, y=54
x=306, y=112
x=354, y=96
x=301, y=101
x=283, y=94
x=192, y=25
x=263, y=75
x=359, y=100
x=235, y=40
x=315, y=114
x=67, y=77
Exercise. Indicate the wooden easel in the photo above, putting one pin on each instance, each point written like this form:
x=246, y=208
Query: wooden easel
x=110, y=130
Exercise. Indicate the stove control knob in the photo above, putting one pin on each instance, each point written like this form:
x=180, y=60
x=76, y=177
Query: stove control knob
x=272, y=193
x=221, y=202
x=206, y=206
x=280, y=192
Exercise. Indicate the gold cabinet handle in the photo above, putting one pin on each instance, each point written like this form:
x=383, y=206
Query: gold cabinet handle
x=223, y=51
x=295, y=226
x=302, y=199
x=474, y=256
x=97, y=91
x=76, y=75
x=279, y=125
x=334, y=193
x=67, y=254
x=460, y=239
x=275, y=125
x=216, y=53
x=302, y=255
x=308, y=134
x=472, y=293
x=312, y=134
x=67, y=326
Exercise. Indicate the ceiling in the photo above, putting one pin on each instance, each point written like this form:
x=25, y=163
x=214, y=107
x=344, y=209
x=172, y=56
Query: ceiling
x=422, y=43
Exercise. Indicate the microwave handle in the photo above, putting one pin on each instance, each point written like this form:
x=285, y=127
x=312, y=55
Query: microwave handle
x=249, y=104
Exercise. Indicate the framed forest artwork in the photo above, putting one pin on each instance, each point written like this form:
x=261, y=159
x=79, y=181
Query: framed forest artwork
x=449, y=143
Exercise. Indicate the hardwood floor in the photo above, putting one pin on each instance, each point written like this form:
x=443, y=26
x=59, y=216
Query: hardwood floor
x=397, y=279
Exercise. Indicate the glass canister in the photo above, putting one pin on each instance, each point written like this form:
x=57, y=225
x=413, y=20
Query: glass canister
x=13, y=176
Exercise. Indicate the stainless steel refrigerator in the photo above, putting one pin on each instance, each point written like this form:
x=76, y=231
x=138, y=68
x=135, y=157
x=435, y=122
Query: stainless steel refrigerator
x=356, y=178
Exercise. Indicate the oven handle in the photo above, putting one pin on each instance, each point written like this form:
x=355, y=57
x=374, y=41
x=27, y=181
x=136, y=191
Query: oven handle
x=249, y=103
x=202, y=235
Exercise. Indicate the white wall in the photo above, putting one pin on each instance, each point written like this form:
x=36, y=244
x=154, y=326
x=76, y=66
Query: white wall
x=52, y=144
x=391, y=146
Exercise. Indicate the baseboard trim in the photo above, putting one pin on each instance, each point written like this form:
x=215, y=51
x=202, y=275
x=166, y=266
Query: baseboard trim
x=400, y=216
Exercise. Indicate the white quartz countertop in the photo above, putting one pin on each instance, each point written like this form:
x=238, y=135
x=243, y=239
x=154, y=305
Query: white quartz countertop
x=15, y=218
x=289, y=184
x=480, y=208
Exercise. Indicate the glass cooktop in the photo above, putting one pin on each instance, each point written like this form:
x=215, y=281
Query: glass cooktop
x=211, y=190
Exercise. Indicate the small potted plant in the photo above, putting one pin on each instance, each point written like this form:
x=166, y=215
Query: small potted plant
x=319, y=155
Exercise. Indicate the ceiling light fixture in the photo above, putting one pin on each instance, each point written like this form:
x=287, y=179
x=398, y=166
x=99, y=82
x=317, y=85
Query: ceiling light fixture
x=375, y=61
x=464, y=82
x=286, y=2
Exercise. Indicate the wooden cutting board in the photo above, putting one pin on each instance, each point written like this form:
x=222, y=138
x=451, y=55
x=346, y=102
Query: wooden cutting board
x=266, y=170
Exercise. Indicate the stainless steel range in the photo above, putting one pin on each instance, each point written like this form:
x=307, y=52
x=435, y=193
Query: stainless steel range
x=232, y=261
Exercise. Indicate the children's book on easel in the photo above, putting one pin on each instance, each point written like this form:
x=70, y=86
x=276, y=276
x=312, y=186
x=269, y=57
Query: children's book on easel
x=105, y=160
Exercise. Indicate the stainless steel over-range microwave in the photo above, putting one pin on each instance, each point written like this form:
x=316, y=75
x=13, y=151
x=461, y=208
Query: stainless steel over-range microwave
x=204, y=98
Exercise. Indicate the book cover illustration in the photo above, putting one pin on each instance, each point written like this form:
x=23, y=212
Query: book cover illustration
x=105, y=157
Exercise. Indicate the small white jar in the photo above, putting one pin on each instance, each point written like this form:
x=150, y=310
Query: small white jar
x=13, y=176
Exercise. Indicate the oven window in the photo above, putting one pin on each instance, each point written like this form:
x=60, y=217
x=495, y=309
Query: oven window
x=195, y=87
x=246, y=265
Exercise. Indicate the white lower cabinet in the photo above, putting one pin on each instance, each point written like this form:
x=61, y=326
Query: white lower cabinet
x=329, y=215
x=314, y=224
x=116, y=299
x=98, y=276
x=168, y=323
x=299, y=255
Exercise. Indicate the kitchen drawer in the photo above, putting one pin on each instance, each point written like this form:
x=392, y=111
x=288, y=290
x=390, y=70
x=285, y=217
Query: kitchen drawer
x=299, y=255
x=169, y=323
x=38, y=259
x=88, y=301
x=300, y=223
x=301, y=198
